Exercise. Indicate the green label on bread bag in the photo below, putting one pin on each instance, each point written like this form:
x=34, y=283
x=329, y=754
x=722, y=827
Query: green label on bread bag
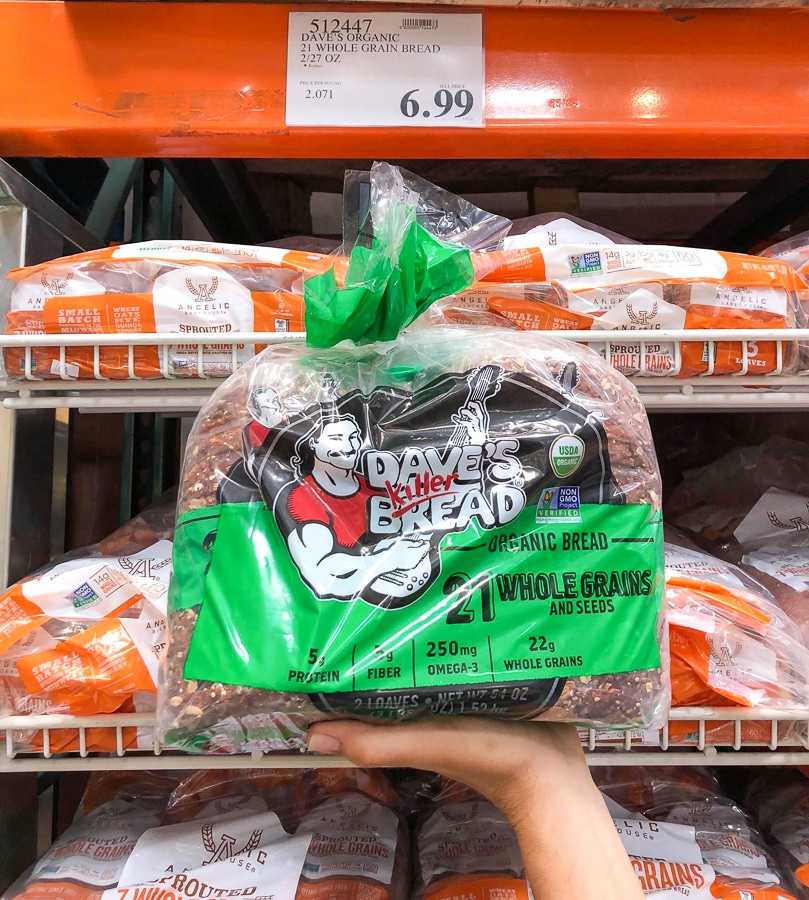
x=379, y=551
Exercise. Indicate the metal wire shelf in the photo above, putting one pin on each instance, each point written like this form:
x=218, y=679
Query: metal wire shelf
x=786, y=745
x=171, y=392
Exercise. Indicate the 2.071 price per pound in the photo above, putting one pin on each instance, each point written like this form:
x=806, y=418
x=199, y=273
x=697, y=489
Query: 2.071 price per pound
x=445, y=101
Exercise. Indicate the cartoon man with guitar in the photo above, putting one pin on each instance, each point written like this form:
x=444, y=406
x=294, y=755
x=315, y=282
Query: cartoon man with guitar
x=328, y=508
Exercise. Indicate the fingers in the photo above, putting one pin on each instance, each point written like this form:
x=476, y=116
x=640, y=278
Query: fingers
x=486, y=754
x=431, y=744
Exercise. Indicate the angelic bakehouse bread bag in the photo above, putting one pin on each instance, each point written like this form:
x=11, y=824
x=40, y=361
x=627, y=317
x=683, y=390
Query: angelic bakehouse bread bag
x=463, y=520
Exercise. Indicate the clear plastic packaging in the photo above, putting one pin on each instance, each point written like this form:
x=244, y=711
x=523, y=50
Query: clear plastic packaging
x=578, y=285
x=731, y=645
x=779, y=797
x=90, y=856
x=84, y=634
x=360, y=845
x=193, y=289
x=337, y=489
x=794, y=251
x=444, y=215
x=293, y=835
x=736, y=863
x=464, y=847
x=712, y=501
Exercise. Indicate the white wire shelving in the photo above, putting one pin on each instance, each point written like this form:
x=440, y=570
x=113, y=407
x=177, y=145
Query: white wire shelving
x=787, y=743
x=170, y=392
x=784, y=739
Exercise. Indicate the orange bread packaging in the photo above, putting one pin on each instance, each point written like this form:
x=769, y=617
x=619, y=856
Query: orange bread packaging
x=731, y=644
x=465, y=847
x=561, y=276
x=194, y=290
x=84, y=636
x=686, y=839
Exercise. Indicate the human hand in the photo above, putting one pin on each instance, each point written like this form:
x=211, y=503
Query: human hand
x=536, y=773
x=505, y=761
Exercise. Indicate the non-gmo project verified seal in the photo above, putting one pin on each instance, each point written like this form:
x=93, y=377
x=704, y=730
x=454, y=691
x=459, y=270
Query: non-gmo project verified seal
x=585, y=263
x=84, y=596
x=559, y=504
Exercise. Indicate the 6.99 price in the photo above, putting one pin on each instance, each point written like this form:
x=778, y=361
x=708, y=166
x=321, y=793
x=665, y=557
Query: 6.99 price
x=444, y=102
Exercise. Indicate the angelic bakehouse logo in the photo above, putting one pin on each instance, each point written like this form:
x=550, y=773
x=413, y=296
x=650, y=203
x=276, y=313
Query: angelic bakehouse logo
x=56, y=287
x=641, y=317
x=225, y=847
x=796, y=523
x=204, y=293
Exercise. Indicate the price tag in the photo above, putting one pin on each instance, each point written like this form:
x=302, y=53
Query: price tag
x=385, y=69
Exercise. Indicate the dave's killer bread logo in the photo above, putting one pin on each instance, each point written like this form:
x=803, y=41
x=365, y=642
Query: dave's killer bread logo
x=363, y=488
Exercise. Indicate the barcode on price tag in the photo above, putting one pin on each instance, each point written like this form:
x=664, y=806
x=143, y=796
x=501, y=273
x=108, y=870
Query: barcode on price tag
x=385, y=70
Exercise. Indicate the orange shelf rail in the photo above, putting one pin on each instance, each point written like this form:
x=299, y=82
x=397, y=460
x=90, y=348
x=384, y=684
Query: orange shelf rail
x=208, y=79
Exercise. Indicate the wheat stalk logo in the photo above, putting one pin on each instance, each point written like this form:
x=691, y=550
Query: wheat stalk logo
x=643, y=317
x=202, y=292
x=797, y=523
x=56, y=286
x=226, y=848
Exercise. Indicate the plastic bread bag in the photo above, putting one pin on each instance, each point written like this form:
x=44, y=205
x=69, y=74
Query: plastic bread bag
x=529, y=451
x=84, y=634
x=360, y=843
x=665, y=857
x=774, y=542
x=779, y=797
x=242, y=852
x=672, y=813
x=731, y=645
x=363, y=468
x=582, y=286
x=713, y=500
x=794, y=251
x=193, y=289
x=449, y=218
x=89, y=857
x=463, y=846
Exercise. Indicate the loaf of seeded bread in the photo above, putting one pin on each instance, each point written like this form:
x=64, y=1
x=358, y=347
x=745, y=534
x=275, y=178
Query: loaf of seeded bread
x=223, y=466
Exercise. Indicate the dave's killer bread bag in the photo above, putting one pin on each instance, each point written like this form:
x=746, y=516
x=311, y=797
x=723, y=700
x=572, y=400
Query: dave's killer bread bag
x=731, y=645
x=686, y=839
x=85, y=635
x=465, y=521
x=576, y=285
x=192, y=289
x=463, y=846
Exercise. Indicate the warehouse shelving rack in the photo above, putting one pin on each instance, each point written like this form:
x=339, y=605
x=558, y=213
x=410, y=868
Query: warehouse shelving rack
x=207, y=80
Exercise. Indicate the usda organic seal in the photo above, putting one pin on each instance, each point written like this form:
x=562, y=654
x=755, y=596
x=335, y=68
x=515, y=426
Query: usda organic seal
x=567, y=452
